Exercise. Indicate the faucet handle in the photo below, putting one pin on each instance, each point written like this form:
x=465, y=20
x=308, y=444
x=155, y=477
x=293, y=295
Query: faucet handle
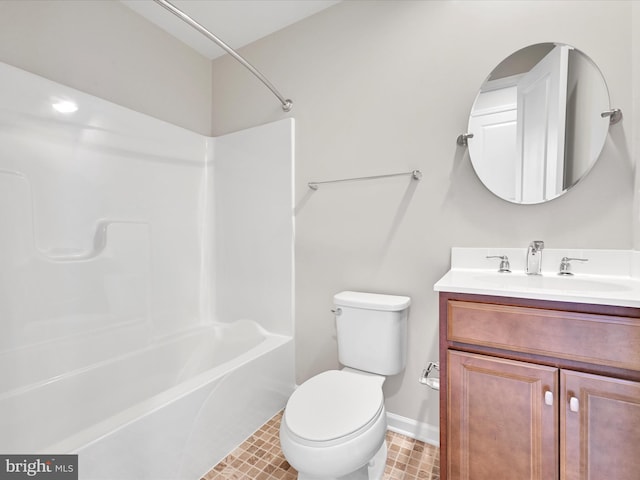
x=565, y=265
x=504, y=263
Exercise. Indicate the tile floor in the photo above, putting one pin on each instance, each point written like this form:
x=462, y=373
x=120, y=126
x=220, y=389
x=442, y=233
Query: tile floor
x=260, y=458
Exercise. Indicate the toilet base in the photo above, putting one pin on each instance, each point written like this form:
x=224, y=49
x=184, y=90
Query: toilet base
x=374, y=470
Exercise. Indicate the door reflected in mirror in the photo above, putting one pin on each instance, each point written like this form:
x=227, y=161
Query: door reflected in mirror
x=537, y=123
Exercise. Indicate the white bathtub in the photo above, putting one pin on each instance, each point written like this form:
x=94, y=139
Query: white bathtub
x=170, y=410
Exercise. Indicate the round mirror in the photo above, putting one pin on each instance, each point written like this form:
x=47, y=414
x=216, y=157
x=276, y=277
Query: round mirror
x=538, y=123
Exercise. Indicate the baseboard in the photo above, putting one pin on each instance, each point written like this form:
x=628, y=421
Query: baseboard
x=414, y=429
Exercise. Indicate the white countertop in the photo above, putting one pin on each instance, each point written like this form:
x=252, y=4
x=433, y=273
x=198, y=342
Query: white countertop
x=610, y=277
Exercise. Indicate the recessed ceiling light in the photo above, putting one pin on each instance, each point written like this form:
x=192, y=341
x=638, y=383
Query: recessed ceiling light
x=65, y=106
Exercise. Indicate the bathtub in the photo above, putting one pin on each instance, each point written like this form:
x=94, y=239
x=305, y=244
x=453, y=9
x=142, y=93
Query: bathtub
x=169, y=410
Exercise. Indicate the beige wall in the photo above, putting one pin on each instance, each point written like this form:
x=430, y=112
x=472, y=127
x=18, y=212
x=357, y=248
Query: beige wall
x=636, y=114
x=386, y=86
x=103, y=48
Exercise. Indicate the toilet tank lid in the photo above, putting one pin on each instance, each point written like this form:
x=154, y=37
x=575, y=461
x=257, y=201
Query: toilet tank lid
x=372, y=301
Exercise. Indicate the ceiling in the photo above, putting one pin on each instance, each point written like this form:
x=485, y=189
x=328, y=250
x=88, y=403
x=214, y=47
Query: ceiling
x=235, y=22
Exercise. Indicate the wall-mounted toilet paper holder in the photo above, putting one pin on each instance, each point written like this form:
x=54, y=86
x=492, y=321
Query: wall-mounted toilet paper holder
x=430, y=381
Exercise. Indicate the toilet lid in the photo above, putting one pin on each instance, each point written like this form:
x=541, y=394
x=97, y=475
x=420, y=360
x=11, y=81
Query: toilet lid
x=332, y=405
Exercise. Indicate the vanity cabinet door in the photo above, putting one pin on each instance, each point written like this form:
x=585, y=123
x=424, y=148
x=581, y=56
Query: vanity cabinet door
x=601, y=427
x=502, y=419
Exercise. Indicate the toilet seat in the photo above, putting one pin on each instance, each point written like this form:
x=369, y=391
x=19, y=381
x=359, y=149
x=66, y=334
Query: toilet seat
x=334, y=406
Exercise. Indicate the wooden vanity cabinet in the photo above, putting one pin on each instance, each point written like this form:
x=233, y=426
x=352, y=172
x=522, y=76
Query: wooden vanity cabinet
x=538, y=390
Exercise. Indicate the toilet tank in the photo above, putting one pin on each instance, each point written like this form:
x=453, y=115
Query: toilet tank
x=372, y=331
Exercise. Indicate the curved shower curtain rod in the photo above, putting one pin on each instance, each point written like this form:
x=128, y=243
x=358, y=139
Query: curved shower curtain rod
x=286, y=103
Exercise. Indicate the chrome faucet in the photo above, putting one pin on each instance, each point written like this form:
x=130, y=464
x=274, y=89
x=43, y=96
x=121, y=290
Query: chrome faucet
x=565, y=265
x=505, y=267
x=534, y=257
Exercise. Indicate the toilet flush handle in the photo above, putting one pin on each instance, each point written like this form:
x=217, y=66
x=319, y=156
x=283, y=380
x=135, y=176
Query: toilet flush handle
x=337, y=311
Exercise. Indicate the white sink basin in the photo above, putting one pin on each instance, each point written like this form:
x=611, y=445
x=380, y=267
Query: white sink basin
x=609, y=277
x=554, y=283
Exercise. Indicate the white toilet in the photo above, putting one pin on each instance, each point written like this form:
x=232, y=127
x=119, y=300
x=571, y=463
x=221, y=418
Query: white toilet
x=334, y=424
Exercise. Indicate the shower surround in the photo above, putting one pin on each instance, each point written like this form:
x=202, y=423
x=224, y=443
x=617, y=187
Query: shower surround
x=146, y=288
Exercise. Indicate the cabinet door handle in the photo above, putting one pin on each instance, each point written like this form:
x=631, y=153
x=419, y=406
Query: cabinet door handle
x=548, y=398
x=574, y=404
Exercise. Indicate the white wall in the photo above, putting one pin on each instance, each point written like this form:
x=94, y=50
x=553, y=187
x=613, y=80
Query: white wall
x=102, y=213
x=251, y=188
x=103, y=48
x=386, y=86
